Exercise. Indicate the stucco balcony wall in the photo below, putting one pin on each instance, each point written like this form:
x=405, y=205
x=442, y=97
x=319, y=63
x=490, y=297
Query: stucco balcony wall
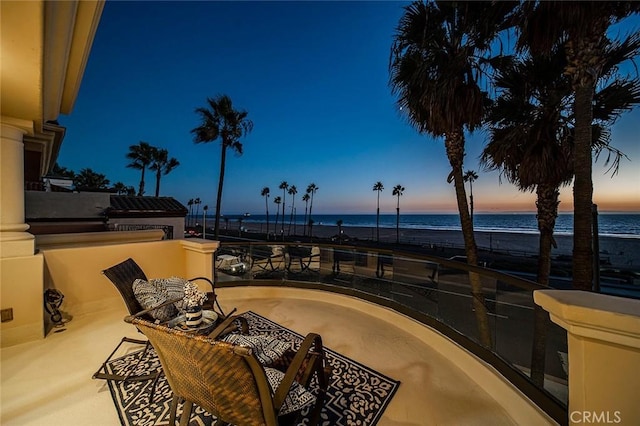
x=72, y=264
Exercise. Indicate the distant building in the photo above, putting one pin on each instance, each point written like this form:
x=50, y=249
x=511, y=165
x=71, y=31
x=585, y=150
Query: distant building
x=63, y=212
x=128, y=212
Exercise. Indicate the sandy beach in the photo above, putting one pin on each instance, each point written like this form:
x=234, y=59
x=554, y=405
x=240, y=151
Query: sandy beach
x=620, y=252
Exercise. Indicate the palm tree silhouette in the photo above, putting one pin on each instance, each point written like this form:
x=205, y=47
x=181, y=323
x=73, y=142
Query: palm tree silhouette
x=204, y=221
x=311, y=190
x=435, y=68
x=470, y=176
x=265, y=193
x=221, y=121
x=190, y=204
x=197, y=202
x=122, y=189
x=161, y=164
x=284, y=186
x=88, y=180
x=140, y=156
x=277, y=201
x=397, y=191
x=306, y=197
x=532, y=145
x=292, y=191
x=582, y=28
x=378, y=186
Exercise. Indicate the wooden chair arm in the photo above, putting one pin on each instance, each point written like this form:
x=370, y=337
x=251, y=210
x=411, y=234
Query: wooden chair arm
x=227, y=326
x=311, y=350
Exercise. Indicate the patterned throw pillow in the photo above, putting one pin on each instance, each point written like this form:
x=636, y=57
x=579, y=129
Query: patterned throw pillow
x=265, y=348
x=150, y=294
x=297, y=398
x=174, y=287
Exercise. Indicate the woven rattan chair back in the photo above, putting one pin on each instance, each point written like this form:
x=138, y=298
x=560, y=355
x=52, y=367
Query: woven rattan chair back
x=122, y=276
x=226, y=380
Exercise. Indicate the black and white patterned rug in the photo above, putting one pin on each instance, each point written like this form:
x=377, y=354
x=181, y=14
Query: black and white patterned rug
x=357, y=395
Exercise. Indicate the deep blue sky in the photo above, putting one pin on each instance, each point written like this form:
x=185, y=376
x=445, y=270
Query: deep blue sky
x=313, y=77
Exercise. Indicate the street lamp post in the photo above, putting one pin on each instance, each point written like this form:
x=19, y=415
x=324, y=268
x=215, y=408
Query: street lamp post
x=204, y=221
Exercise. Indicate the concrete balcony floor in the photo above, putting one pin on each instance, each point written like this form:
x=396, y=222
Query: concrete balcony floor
x=49, y=381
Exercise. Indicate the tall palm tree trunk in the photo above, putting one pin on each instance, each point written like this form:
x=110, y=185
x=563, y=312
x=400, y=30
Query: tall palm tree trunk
x=471, y=201
x=547, y=202
x=378, y=219
x=141, y=187
x=583, y=190
x=223, y=158
x=266, y=206
x=283, y=217
x=454, y=144
x=293, y=206
x=158, y=174
x=310, y=209
x=398, y=221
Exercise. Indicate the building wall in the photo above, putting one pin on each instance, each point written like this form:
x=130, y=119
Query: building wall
x=72, y=264
x=176, y=222
x=66, y=205
x=21, y=291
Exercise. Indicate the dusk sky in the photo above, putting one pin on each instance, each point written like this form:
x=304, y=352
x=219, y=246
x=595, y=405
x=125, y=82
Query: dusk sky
x=313, y=77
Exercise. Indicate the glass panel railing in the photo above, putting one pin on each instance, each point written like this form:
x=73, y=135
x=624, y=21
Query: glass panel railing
x=501, y=319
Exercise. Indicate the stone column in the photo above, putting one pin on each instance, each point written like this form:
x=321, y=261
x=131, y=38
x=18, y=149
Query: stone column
x=14, y=240
x=603, y=333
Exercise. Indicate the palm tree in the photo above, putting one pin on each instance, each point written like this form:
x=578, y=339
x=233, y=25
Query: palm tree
x=292, y=191
x=582, y=28
x=435, y=67
x=221, y=120
x=378, y=186
x=532, y=141
x=306, y=197
x=277, y=201
x=161, y=164
x=190, y=204
x=311, y=190
x=197, y=202
x=470, y=176
x=397, y=191
x=62, y=172
x=88, y=180
x=265, y=193
x=284, y=186
x=311, y=222
x=140, y=156
x=204, y=221
x=122, y=189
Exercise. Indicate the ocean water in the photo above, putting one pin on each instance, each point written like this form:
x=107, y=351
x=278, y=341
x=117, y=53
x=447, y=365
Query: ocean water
x=613, y=224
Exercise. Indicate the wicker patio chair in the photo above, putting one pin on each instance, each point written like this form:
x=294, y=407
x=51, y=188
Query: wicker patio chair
x=123, y=276
x=227, y=380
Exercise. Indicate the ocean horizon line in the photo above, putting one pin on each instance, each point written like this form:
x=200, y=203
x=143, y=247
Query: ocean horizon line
x=619, y=225
x=514, y=212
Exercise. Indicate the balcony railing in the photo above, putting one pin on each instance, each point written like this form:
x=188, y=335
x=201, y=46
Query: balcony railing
x=525, y=346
